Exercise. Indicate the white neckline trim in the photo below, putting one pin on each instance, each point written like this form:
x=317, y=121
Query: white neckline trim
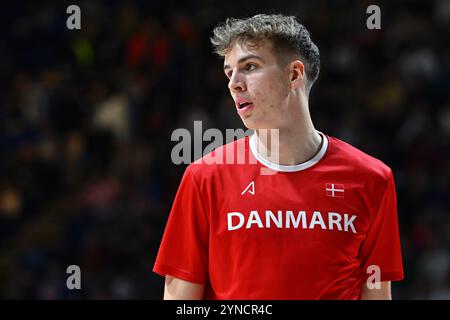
x=288, y=168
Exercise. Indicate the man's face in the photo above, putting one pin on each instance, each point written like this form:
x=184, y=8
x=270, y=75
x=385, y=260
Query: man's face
x=260, y=87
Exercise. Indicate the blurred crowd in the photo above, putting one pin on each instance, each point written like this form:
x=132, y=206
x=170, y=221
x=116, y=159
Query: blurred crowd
x=86, y=118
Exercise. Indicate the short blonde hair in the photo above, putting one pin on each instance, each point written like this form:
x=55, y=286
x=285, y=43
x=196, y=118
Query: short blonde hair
x=285, y=33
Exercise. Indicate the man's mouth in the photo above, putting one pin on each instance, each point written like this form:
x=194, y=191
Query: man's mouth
x=243, y=105
x=242, y=102
x=244, y=108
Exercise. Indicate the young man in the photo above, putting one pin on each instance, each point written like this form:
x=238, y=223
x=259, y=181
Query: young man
x=322, y=227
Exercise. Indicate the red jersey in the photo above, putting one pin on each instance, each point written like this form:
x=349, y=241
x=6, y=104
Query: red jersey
x=310, y=231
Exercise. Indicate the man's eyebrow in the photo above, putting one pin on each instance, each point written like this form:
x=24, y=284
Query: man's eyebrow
x=250, y=56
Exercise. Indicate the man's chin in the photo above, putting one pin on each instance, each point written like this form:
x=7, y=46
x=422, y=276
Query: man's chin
x=255, y=125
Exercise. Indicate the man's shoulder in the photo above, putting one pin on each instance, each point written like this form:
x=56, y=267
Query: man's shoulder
x=362, y=163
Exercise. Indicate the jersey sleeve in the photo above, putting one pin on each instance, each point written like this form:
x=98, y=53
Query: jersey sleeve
x=183, y=252
x=381, y=248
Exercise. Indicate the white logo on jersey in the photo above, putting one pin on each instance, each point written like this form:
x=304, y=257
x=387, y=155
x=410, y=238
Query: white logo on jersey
x=287, y=219
x=250, y=188
x=334, y=190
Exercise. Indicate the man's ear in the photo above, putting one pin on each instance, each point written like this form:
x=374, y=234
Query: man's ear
x=297, y=74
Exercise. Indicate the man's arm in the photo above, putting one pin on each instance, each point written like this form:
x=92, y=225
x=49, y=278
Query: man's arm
x=384, y=293
x=177, y=289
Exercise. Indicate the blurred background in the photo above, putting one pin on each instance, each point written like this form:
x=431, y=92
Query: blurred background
x=86, y=118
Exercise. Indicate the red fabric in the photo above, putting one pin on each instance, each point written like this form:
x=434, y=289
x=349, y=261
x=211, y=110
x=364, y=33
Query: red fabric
x=267, y=257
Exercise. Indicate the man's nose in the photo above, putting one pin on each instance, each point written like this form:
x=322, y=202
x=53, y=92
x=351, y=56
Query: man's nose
x=236, y=84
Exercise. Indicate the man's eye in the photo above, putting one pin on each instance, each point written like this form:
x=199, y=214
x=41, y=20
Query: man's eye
x=250, y=66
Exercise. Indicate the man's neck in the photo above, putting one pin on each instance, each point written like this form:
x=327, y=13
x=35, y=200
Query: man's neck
x=289, y=146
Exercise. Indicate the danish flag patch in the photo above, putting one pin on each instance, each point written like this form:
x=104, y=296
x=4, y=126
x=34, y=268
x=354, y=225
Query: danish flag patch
x=334, y=190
